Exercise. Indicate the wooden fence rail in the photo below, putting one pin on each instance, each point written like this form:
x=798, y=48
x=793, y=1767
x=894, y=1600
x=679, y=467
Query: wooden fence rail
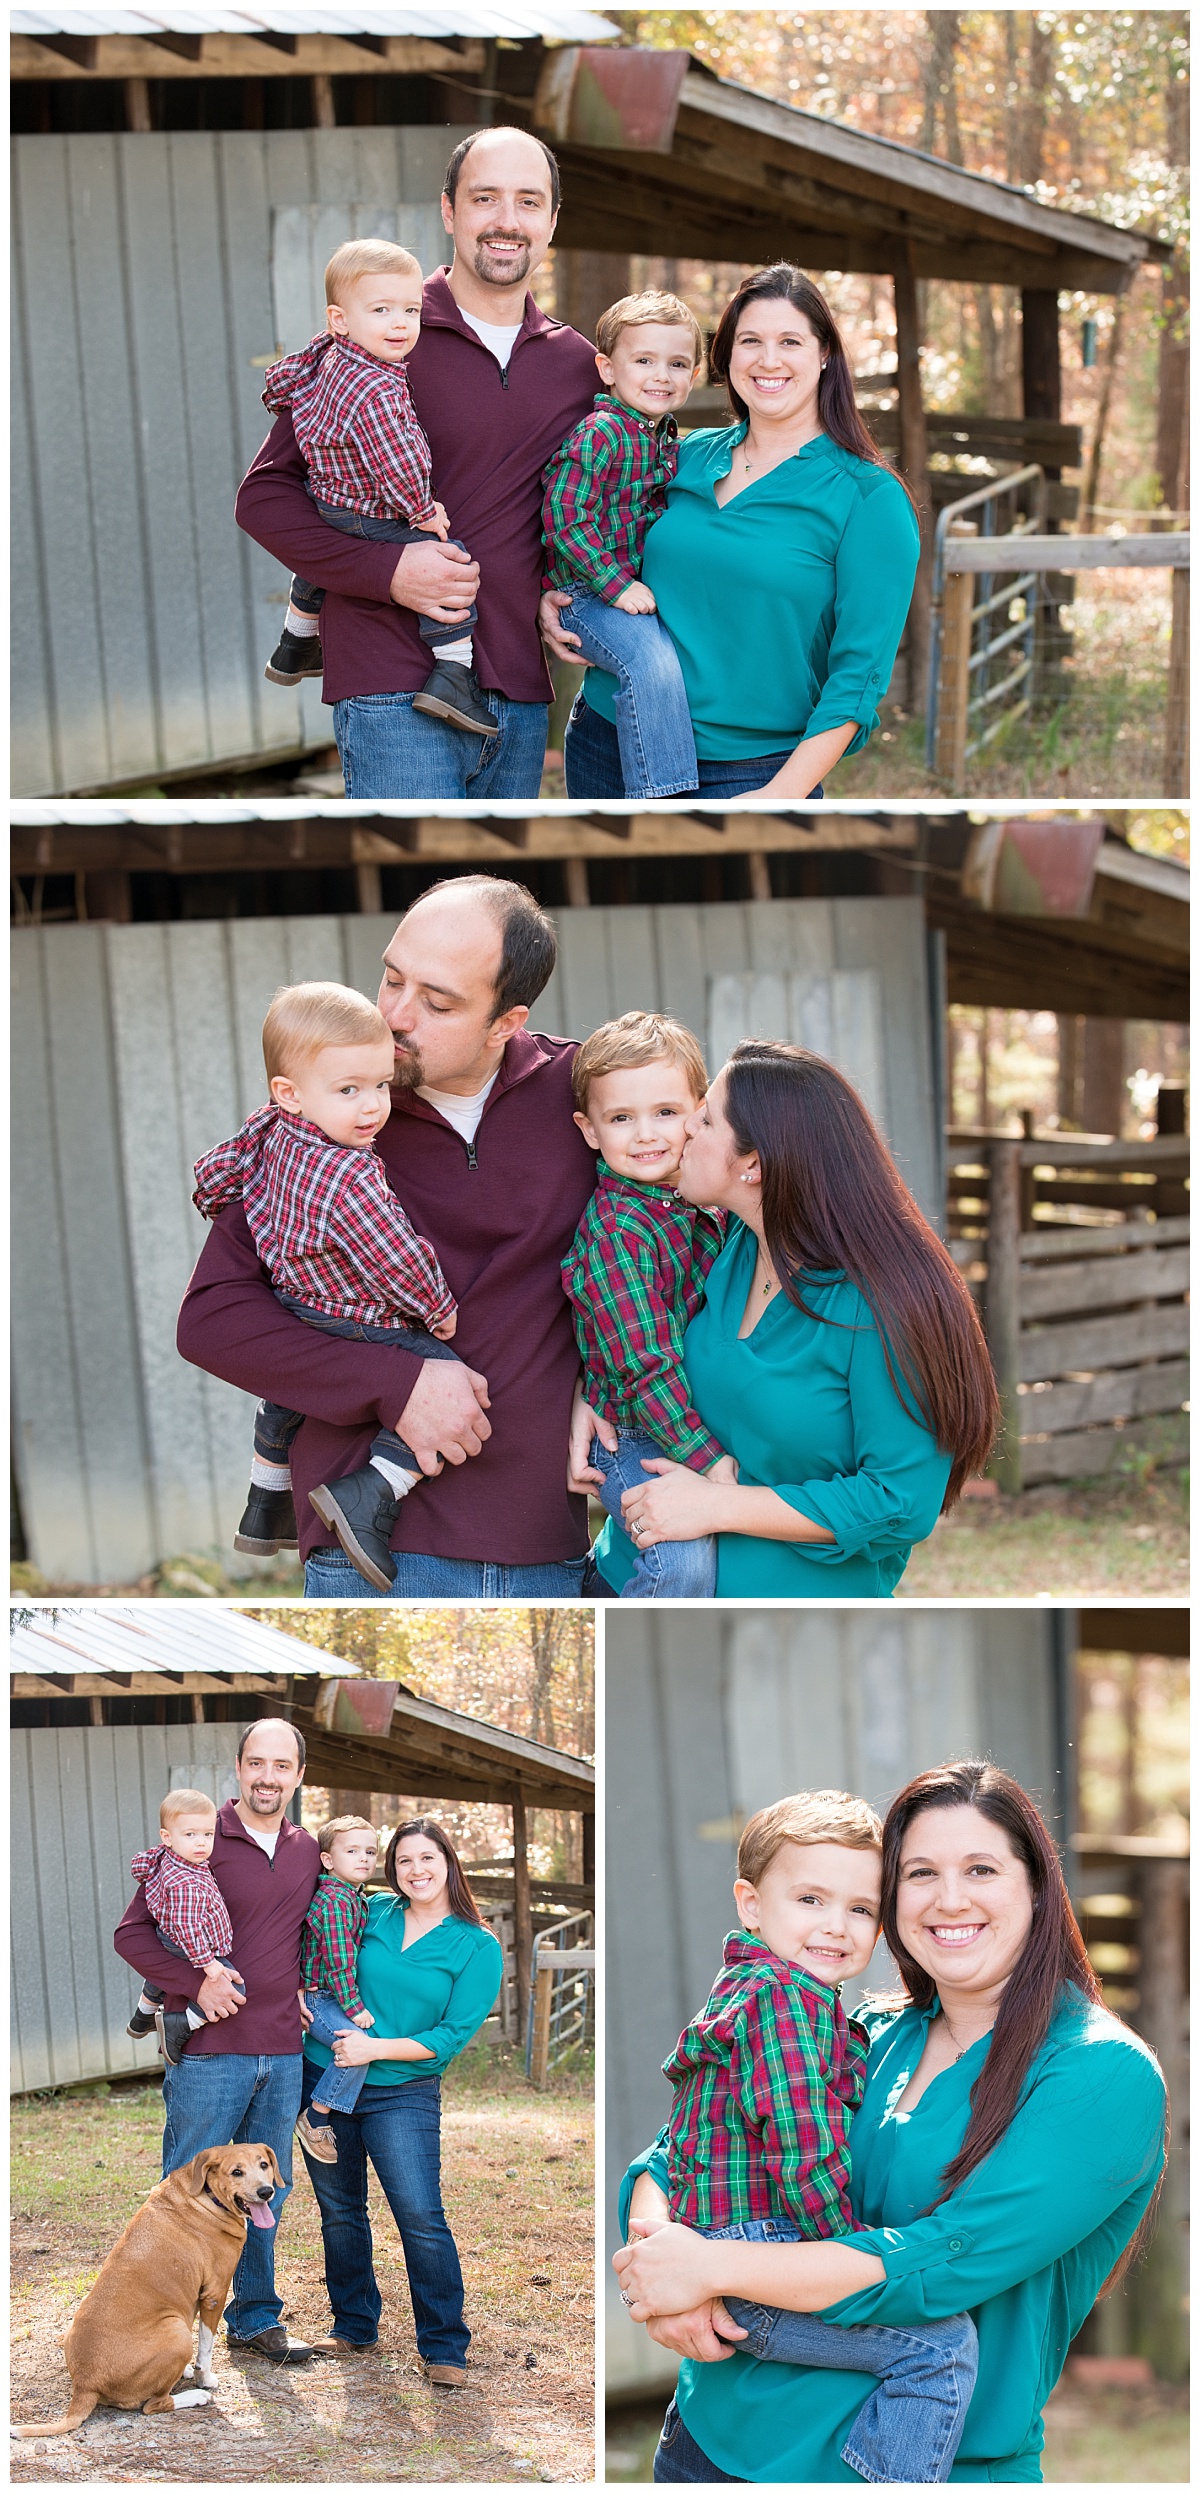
x=1087, y=1316
x=965, y=554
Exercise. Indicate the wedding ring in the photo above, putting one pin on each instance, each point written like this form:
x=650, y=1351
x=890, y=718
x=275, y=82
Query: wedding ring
x=626, y=2300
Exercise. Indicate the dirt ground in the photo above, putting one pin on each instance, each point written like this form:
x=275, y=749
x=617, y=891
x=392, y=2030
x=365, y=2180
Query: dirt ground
x=1093, y=2436
x=1058, y=1541
x=518, y=2187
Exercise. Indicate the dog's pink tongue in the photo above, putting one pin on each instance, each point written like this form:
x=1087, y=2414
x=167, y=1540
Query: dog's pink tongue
x=260, y=2214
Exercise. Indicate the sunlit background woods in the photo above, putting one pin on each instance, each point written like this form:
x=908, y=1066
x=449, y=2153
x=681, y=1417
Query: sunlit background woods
x=530, y=1671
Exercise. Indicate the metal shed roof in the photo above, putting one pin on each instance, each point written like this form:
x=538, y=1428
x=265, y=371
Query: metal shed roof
x=427, y=1748
x=170, y=1637
x=565, y=25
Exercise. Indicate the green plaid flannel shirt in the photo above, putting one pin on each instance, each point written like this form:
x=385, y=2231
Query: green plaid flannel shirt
x=333, y=1925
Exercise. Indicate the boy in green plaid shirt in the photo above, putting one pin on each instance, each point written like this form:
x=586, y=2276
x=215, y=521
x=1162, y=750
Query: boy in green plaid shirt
x=635, y=1277
x=606, y=485
x=333, y=1927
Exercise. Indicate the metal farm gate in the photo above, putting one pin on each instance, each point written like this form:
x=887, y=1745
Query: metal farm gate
x=135, y=1048
x=155, y=275
x=83, y=1802
x=708, y=1719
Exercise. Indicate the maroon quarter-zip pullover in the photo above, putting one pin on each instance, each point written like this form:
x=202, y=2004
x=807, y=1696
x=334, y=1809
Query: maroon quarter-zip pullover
x=491, y=434
x=501, y=1214
x=267, y=1902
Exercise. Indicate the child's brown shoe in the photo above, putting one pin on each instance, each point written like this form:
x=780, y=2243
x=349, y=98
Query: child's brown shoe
x=319, y=2143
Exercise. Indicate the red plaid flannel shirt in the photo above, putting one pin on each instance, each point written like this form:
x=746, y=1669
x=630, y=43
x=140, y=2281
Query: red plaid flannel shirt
x=326, y=1223
x=333, y=1926
x=186, y=1903
x=765, y=2078
x=357, y=429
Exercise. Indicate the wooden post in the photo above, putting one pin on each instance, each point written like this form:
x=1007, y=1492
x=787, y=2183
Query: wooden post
x=539, y=2065
x=1041, y=397
x=1004, y=1306
x=323, y=110
x=589, y=1848
x=369, y=883
x=575, y=876
x=914, y=467
x=137, y=104
x=1176, y=772
x=1158, y=2288
x=585, y=283
x=954, y=669
x=759, y=867
x=522, y=1910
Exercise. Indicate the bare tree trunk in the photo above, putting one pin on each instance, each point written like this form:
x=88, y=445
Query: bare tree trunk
x=543, y=1637
x=1091, y=488
x=1174, y=393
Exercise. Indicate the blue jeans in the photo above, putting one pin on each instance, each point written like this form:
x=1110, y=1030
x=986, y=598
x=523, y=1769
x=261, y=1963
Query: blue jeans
x=398, y=2130
x=671, y=1570
x=219, y=2099
x=275, y=1426
x=680, y=2460
x=909, y=2431
x=329, y=1576
x=338, y=2089
x=592, y=762
x=388, y=749
x=385, y=532
x=654, y=732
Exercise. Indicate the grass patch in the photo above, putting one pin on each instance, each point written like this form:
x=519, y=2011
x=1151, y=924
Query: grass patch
x=1107, y=1536
x=518, y=2183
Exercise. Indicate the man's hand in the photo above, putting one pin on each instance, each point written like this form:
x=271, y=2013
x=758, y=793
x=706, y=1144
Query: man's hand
x=637, y=599
x=562, y=645
x=439, y=581
x=444, y=1414
x=219, y=1996
x=585, y=1424
x=364, y=2018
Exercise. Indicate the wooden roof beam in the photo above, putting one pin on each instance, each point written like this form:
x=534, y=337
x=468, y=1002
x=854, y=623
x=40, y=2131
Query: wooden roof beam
x=261, y=55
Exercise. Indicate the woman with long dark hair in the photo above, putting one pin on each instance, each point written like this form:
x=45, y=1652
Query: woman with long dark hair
x=782, y=566
x=429, y=1973
x=838, y=1355
x=1005, y=2162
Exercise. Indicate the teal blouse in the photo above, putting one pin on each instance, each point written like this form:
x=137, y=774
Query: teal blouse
x=810, y=1411
x=436, y=1992
x=1024, y=2245
x=786, y=607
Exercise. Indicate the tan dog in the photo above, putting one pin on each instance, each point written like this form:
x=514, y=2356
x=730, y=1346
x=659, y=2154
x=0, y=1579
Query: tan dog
x=131, y=2338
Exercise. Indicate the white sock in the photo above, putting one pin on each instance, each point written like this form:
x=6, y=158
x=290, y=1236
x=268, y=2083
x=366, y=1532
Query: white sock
x=301, y=626
x=460, y=653
x=195, y=2016
x=264, y=1475
x=148, y=2006
x=399, y=1481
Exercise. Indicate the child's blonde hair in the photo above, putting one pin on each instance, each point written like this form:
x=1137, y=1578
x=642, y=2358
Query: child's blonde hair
x=807, y=1818
x=637, y=1039
x=636, y=311
x=301, y=1020
x=342, y=1826
x=183, y=1803
x=370, y=256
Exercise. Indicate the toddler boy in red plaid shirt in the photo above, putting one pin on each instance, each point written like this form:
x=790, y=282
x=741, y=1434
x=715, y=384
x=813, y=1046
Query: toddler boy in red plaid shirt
x=603, y=489
x=767, y=2079
x=333, y=1928
x=188, y=1910
x=635, y=1277
x=340, y=1249
x=368, y=459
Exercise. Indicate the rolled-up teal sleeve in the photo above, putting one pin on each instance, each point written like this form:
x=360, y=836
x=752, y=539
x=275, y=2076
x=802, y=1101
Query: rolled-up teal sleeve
x=875, y=567
x=471, y=2000
x=652, y=2160
x=894, y=1494
x=1080, y=2158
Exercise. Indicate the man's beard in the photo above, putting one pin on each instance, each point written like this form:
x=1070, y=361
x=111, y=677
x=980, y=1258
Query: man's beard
x=513, y=276
x=262, y=1807
x=409, y=1072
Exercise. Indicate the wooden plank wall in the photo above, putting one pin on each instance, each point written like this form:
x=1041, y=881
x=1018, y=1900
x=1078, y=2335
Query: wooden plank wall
x=708, y=1719
x=83, y=1802
x=135, y=1048
x=1103, y=1344
x=143, y=319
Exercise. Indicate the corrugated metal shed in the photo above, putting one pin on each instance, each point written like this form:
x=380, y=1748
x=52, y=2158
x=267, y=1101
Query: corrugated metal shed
x=562, y=25
x=709, y=1717
x=164, y=1636
x=135, y=1048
